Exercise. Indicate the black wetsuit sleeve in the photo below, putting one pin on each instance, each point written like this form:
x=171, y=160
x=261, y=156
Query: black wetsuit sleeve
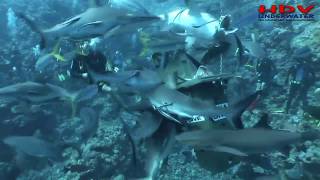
x=97, y=62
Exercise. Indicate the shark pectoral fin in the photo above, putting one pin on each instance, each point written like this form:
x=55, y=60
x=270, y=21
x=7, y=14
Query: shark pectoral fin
x=93, y=24
x=71, y=21
x=229, y=150
x=167, y=115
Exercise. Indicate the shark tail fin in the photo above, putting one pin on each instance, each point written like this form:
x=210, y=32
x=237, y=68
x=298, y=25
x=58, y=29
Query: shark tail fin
x=238, y=108
x=34, y=27
x=76, y=97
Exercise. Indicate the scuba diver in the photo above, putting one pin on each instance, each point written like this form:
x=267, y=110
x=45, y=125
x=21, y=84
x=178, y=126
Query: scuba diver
x=88, y=58
x=265, y=70
x=220, y=45
x=301, y=76
x=226, y=45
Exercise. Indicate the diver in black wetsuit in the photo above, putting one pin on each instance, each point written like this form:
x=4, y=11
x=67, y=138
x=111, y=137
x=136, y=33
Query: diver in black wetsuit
x=224, y=40
x=265, y=70
x=89, y=59
x=220, y=44
x=302, y=77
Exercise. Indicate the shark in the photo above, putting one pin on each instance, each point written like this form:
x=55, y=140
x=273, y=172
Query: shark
x=38, y=92
x=244, y=142
x=96, y=21
x=172, y=103
x=131, y=81
x=158, y=147
x=90, y=123
x=33, y=146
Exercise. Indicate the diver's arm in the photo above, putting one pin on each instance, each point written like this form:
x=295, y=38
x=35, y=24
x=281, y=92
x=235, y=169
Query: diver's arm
x=97, y=62
x=102, y=58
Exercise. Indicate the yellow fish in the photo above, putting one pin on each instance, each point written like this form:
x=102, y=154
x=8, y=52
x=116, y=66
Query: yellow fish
x=56, y=52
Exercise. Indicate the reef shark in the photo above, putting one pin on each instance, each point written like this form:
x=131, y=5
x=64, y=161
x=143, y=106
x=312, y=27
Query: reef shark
x=35, y=147
x=131, y=81
x=37, y=92
x=171, y=103
x=96, y=21
x=244, y=142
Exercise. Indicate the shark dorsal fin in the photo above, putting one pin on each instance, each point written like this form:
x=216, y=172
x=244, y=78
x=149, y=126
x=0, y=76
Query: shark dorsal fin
x=94, y=3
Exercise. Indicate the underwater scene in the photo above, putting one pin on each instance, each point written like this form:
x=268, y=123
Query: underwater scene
x=160, y=90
